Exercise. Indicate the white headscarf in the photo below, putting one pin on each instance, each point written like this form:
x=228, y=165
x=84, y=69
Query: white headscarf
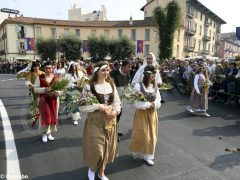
x=154, y=62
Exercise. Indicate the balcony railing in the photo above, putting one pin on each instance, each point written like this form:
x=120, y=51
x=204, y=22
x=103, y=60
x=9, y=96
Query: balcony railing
x=21, y=35
x=207, y=24
x=190, y=31
x=190, y=14
x=205, y=51
x=189, y=48
x=22, y=51
x=206, y=38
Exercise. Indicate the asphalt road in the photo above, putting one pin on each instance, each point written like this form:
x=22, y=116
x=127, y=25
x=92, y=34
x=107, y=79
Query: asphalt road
x=189, y=147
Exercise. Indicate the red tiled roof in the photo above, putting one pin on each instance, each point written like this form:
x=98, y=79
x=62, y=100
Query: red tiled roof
x=55, y=22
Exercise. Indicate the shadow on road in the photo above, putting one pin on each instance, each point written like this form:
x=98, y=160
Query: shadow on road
x=226, y=161
x=121, y=164
x=227, y=131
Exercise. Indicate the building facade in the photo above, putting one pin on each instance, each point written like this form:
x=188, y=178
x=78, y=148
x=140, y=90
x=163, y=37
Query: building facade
x=200, y=30
x=199, y=34
x=230, y=46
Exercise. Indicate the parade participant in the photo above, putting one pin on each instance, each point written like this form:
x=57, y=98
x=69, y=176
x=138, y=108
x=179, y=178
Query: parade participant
x=121, y=78
x=74, y=75
x=145, y=124
x=199, y=95
x=149, y=60
x=100, y=131
x=59, y=70
x=33, y=74
x=48, y=105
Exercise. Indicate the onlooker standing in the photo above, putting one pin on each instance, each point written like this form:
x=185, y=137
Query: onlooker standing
x=121, y=78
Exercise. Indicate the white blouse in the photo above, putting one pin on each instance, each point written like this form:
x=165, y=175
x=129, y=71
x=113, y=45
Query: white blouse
x=196, y=78
x=41, y=90
x=105, y=88
x=146, y=105
x=74, y=79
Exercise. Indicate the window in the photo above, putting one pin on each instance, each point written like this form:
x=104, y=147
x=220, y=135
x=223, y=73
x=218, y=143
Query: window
x=94, y=32
x=38, y=32
x=77, y=33
x=133, y=34
x=21, y=31
x=22, y=45
x=199, y=45
x=146, y=49
x=66, y=32
x=196, y=14
x=200, y=30
x=106, y=33
x=177, y=51
x=147, y=34
x=120, y=33
x=201, y=17
x=178, y=36
x=53, y=32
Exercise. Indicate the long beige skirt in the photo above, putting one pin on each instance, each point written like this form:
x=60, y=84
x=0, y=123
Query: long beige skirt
x=144, y=132
x=99, y=140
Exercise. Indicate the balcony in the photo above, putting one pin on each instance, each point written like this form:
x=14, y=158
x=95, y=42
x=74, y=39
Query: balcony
x=218, y=42
x=22, y=51
x=190, y=14
x=207, y=24
x=2, y=52
x=190, y=31
x=206, y=38
x=205, y=51
x=21, y=35
x=189, y=48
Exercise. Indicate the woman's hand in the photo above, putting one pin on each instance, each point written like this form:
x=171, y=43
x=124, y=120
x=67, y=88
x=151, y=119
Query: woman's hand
x=102, y=107
x=56, y=93
x=110, y=114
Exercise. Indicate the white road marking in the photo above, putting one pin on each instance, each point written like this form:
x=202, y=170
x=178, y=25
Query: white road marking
x=13, y=169
x=8, y=79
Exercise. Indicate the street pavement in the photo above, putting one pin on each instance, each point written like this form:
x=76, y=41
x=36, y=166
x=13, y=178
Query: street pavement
x=189, y=147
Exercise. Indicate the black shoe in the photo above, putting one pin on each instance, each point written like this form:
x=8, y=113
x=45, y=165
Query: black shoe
x=120, y=133
x=162, y=101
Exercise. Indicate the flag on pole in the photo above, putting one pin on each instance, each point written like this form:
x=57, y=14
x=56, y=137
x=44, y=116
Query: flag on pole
x=30, y=44
x=140, y=46
x=238, y=32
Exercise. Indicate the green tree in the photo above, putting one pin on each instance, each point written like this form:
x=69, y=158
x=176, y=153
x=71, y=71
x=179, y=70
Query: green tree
x=121, y=49
x=167, y=21
x=46, y=48
x=70, y=46
x=98, y=47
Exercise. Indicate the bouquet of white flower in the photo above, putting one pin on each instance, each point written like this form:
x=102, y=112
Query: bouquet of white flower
x=131, y=96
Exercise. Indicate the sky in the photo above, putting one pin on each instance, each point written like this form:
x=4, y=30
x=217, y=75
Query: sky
x=116, y=10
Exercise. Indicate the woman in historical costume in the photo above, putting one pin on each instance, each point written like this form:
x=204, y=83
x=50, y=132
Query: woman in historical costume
x=33, y=74
x=100, y=131
x=48, y=102
x=199, y=95
x=75, y=77
x=145, y=124
x=59, y=70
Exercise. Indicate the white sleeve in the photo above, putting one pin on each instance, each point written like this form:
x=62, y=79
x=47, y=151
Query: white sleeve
x=37, y=88
x=158, y=78
x=90, y=108
x=157, y=101
x=138, y=76
x=116, y=102
x=196, y=83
